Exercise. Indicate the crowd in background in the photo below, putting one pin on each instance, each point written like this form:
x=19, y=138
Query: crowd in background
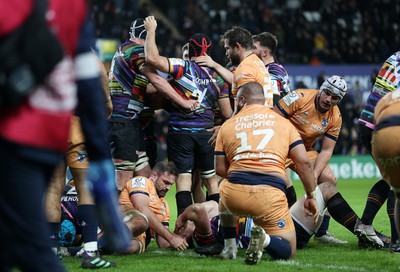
x=309, y=32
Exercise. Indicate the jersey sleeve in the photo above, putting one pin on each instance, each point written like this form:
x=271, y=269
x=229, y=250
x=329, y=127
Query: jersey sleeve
x=138, y=185
x=177, y=67
x=294, y=136
x=167, y=215
x=289, y=104
x=334, y=131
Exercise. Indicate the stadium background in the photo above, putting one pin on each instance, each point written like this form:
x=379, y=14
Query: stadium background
x=351, y=38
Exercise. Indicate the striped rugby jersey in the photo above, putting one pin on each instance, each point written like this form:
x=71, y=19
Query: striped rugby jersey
x=192, y=81
x=127, y=85
x=387, y=81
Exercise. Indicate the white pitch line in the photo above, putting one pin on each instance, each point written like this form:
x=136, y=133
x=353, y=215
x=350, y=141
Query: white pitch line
x=327, y=266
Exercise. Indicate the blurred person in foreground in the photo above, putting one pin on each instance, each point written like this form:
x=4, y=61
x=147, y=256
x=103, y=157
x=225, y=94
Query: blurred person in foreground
x=386, y=81
x=386, y=149
x=34, y=132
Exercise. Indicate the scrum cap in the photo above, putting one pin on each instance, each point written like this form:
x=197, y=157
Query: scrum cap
x=137, y=29
x=336, y=84
x=199, y=45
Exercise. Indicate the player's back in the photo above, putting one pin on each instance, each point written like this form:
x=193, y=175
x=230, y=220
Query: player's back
x=249, y=70
x=257, y=139
x=388, y=106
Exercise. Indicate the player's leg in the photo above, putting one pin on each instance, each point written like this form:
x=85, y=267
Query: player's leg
x=52, y=203
x=205, y=161
x=181, y=152
x=197, y=187
x=274, y=232
x=23, y=225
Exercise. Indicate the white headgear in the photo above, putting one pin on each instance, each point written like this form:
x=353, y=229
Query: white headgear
x=335, y=84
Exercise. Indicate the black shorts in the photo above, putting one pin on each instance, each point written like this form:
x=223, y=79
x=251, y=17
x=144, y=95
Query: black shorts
x=126, y=139
x=365, y=135
x=190, y=150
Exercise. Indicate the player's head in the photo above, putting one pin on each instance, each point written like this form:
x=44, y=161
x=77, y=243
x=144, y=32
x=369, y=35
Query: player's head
x=185, y=51
x=331, y=92
x=199, y=45
x=234, y=39
x=164, y=175
x=250, y=93
x=67, y=233
x=137, y=29
x=264, y=41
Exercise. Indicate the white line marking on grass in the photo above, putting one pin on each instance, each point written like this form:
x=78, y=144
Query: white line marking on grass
x=325, y=266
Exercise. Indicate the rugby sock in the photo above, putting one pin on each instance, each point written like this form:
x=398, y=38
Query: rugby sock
x=87, y=218
x=376, y=197
x=341, y=211
x=101, y=181
x=324, y=226
x=183, y=200
x=291, y=195
x=390, y=211
x=214, y=197
x=229, y=232
x=278, y=248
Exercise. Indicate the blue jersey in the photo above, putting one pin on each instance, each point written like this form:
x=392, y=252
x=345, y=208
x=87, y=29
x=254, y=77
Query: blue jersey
x=387, y=81
x=279, y=78
x=192, y=81
x=127, y=85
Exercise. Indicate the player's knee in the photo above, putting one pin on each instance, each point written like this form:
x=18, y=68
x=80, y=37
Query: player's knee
x=198, y=209
x=125, y=166
x=327, y=177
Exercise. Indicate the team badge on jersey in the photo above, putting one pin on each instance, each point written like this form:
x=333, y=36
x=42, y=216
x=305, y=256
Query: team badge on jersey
x=139, y=182
x=324, y=122
x=281, y=223
x=81, y=156
x=290, y=98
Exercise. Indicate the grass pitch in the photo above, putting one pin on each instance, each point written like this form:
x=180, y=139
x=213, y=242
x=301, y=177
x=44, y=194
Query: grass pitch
x=316, y=257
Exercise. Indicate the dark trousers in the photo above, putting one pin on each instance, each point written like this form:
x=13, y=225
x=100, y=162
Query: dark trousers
x=24, y=234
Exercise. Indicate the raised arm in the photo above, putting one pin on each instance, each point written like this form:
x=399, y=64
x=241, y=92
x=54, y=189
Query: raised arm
x=150, y=47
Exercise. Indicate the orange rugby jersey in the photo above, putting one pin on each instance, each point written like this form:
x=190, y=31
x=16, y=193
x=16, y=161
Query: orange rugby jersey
x=258, y=140
x=252, y=69
x=300, y=108
x=142, y=185
x=388, y=110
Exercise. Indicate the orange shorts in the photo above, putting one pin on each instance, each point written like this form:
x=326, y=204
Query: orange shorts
x=76, y=156
x=312, y=156
x=386, y=152
x=267, y=205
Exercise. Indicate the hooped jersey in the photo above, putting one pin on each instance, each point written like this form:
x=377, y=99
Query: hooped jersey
x=279, y=78
x=388, y=80
x=127, y=85
x=257, y=140
x=199, y=83
x=252, y=69
x=145, y=186
x=300, y=108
